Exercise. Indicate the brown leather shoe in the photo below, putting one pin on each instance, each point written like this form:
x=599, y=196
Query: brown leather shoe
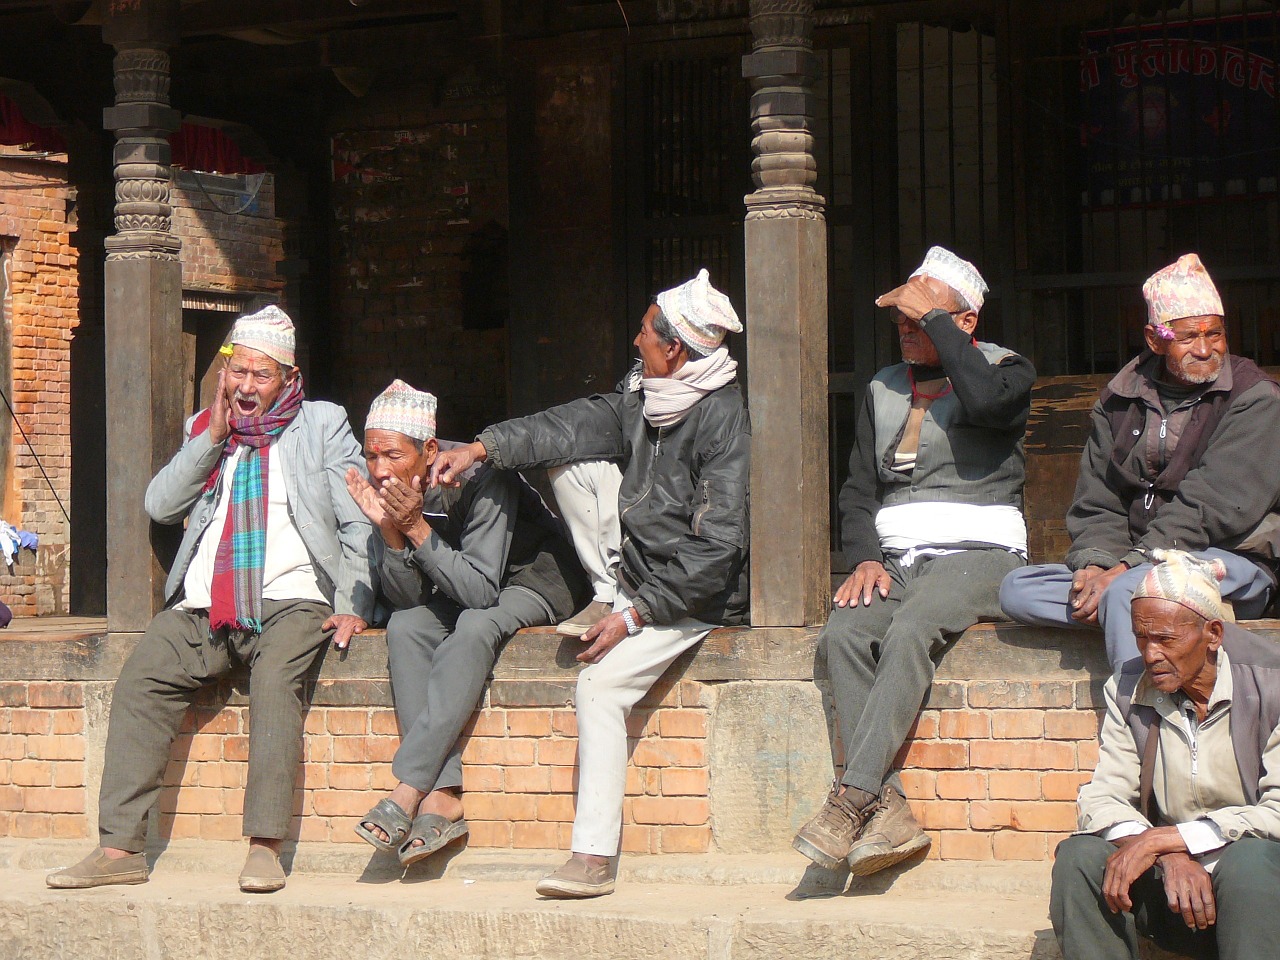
x=585, y=619
x=829, y=836
x=262, y=872
x=97, y=870
x=890, y=836
x=578, y=879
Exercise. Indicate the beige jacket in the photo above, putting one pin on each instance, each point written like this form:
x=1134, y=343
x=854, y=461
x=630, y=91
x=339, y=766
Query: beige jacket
x=1196, y=784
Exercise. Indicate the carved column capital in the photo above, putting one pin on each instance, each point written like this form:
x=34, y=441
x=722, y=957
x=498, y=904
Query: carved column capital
x=142, y=121
x=782, y=70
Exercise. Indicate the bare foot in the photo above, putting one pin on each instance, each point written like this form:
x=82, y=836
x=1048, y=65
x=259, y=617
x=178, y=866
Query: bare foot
x=405, y=797
x=445, y=803
x=114, y=853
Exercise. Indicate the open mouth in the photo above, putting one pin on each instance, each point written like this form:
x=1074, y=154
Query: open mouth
x=245, y=406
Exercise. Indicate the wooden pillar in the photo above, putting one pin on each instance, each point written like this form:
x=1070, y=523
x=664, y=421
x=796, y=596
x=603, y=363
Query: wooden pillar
x=786, y=252
x=142, y=306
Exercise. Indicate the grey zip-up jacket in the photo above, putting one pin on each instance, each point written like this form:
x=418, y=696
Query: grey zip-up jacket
x=318, y=447
x=491, y=532
x=684, y=499
x=1227, y=501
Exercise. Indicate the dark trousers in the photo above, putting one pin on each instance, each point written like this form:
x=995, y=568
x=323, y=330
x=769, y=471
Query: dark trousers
x=440, y=656
x=1246, y=891
x=173, y=660
x=880, y=658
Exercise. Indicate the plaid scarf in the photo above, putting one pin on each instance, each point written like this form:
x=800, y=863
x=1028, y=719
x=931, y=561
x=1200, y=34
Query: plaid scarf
x=236, y=592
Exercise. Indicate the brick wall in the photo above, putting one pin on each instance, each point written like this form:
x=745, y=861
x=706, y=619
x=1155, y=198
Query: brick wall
x=420, y=177
x=992, y=765
x=224, y=247
x=37, y=220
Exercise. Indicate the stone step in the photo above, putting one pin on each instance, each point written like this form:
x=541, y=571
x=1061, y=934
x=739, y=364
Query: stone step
x=215, y=859
x=465, y=915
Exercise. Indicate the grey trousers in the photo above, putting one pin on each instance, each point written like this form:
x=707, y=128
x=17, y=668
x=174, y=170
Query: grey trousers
x=1246, y=892
x=1040, y=595
x=174, y=659
x=440, y=656
x=879, y=658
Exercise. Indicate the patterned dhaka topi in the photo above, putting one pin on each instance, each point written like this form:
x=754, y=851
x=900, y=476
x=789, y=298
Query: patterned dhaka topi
x=402, y=409
x=268, y=331
x=236, y=592
x=960, y=275
x=1188, y=581
x=700, y=313
x=1180, y=290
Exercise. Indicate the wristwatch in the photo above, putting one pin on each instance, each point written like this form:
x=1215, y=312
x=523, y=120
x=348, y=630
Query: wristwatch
x=632, y=627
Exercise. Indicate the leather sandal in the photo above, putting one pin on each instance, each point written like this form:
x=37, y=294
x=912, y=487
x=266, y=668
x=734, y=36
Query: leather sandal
x=387, y=816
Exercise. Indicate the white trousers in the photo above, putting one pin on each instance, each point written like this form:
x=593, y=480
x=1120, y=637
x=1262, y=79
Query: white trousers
x=606, y=693
x=588, y=497
x=587, y=494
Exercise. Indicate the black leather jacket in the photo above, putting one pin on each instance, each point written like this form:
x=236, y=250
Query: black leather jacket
x=684, y=500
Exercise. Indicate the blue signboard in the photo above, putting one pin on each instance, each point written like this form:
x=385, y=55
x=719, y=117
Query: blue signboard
x=1180, y=111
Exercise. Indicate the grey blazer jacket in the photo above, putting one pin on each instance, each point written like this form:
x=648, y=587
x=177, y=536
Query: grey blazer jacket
x=318, y=447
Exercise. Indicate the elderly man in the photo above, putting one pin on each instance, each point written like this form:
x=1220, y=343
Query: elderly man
x=674, y=439
x=1179, y=826
x=465, y=568
x=931, y=522
x=274, y=563
x=1182, y=455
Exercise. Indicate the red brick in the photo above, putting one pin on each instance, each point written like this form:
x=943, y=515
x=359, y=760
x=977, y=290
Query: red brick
x=482, y=779
x=13, y=694
x=1011, y=845
x=70, y=826
x=642, y=725
x=942, y=814
x=937, y=756
x=678, y=782
x=315, y=722
x=342, y=803
x=343, y=776
x=198, y=800
x=486, y=723
x=489, y=834
x=989, y=814
x=237, y=748
x=534, y=836
x=55, y=694
x=564, y=780
x=204, y=748
x=527, y=780
x=1086, y=755
x=529, y=723
x=347, y=722
x=1044, y=816
x=556, y=808
x=963, y=725
x=682, y=723
x=68, y=774
x=10, y=798
x=685, y=839
x=68, y=722
x=32, y=825
x=687, y=811
x=55, y=748
x=925, y=726
x=1017, y=724
x=12, y=747
x=500, y=806
x=670, y=753
x=1071, y=725
x=31, y=773
x=31, y=721
x=564, y=723
x=219, y=828
x=559, y=753
x=961, y=785
x=1062, y=786
x=364, y=749
x=956, y=845
x=221, y=722
x=501, y=752
x=638, y=839
x=383, y=722
x=1022, y=755
x=1013, y=785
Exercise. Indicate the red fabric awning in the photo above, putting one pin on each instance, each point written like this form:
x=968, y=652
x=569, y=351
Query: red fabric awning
x=16, y=131
x=209, y=150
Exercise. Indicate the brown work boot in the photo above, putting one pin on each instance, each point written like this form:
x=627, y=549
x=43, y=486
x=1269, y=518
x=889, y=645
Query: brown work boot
x=829, y=836
x=97, y=870
x=585, y=619
x=890, y=836
x=578, y=879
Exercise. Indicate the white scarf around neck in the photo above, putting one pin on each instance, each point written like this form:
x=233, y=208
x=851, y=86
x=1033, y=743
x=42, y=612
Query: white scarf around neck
x=668, y=400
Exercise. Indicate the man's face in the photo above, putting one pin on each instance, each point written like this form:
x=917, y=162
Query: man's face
x=253, y=381
x=1176, y=645
x=655, y=359
x=914, y=343
x=388, y=453
x=1197, y=351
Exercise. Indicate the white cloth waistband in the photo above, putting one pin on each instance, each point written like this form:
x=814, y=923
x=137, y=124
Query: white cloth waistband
x=909, y=526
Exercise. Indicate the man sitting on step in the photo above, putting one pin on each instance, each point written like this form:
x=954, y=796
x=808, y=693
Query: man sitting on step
x=670, y=451
x=274, y=563
x=1182, y=454
x=1179, y=835
x=931, y=521
x=465, y=567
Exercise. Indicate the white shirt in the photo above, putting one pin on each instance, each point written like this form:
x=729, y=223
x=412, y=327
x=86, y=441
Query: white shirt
x=287, y=573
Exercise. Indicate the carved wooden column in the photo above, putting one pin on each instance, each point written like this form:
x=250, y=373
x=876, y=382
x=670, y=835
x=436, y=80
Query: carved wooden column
x=786, y=245
x=142, y=305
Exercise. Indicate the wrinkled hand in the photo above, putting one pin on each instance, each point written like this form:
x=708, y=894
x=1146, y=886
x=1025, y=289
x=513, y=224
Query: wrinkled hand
x=1087, y=587
x=220, y=411
x=449, y=465
x=913, y=299
x=603, y=637
x=1189, y=889
x=1134, y=857
x=402, y=502
x=869, y=576
x=365, y=496
x=344, y=626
